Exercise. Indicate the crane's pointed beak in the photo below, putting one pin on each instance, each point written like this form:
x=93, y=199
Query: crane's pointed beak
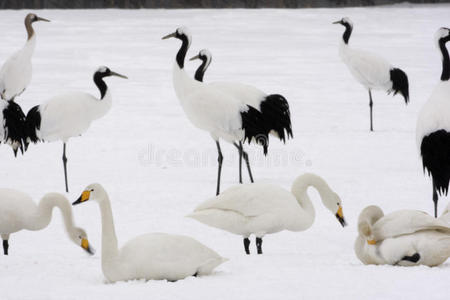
x=195, y=57
x=169, y=36
x=337, y=22
x=118, y=75
x=43, y=19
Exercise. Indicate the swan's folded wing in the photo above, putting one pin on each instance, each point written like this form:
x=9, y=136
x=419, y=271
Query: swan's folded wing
x=406, y=222
x=248, y=200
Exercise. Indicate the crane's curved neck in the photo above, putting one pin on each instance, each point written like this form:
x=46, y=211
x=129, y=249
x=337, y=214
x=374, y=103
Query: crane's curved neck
x=201, y=70
x=347, y=33
x=181, y=55
x=110, y=249
x=445, y=76
x=44, y=211
x=100, y=83
x=299, y=189
x=29, y=27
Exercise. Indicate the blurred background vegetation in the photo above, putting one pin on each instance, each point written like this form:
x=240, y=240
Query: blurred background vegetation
x=18, y=4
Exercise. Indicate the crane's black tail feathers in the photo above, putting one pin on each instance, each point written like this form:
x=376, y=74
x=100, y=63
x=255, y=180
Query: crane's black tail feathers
x=400, y=83
x=435, y=151
x=277, y=117
x=254, y=127
x=273, y=117
x=14, y=126
x=33, y=124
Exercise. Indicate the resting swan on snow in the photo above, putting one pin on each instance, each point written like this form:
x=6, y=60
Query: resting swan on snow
x=404, y=237
x=149, y=256
x=261, y=208
x=18, y=212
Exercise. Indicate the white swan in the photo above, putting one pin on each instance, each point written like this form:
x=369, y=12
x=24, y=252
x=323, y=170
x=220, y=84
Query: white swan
x=261, y=208
x=18, y=211
x=149, y=256
x=404, y=237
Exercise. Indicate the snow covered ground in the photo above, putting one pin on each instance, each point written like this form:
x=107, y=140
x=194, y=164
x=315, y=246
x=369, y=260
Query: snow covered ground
x=157, y=167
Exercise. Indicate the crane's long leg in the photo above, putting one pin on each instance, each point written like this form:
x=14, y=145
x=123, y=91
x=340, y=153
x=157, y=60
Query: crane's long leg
x=371, y=113
x=64, y=158
x=219, y=160
x=259, y=245
x=247, y=245
x=435, y=199
x=240, y=148
x=5, y=247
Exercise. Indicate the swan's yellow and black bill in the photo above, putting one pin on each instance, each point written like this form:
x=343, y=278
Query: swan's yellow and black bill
x=174, y=34
x=340, y=217
x=85, y=245
x=84, y=197
x=371, y=242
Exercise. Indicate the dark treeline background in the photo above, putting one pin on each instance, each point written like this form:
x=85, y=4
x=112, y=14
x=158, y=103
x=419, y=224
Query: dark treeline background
x=18, y=4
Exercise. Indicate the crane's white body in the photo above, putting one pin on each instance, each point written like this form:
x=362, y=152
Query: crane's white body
x=209, y=108
x=19, y=212
x=435, y=114
x=403, y=233
x=247, y=94
x=371, y=70
x=70, y=115
x=15, y=74
x=151, y=256
x=261, y=208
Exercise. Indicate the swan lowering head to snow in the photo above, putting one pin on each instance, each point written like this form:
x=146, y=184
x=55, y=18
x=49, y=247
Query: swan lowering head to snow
x=18, y=212
x=155, y=256
x=261, y=208
x=404, y=238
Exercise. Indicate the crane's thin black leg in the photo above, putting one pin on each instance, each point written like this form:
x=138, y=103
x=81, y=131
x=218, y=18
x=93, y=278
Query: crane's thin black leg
x=64, y=158
x=435, y=199
x=247, y=245
x=220, y=160
x=240, y=148
x=259, y=245
x=5, y=247
x=371, y=106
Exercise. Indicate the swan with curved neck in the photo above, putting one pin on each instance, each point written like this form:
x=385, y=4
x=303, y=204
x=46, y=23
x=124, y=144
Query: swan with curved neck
x=433, y=126
x=155, y=256
x=261, y=208
x=69, y=115
x=372, y=71
x=404, y=237
x=19, y=212
x=15, y=74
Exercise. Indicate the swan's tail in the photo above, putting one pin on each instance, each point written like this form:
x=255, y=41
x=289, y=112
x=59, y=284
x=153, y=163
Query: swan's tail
x=400, y=83
x=210, y=265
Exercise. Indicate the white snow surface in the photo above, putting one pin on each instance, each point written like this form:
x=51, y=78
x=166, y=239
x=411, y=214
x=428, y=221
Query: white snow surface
x=157, y=167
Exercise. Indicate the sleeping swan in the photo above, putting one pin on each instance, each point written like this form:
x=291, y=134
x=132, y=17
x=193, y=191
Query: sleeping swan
x=404, y=237
x=149, y=256
x=261, y=208
x=18, y=212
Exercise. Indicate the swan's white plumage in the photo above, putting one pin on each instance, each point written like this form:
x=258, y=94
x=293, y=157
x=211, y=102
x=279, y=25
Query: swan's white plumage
x=149, y=256
x=19, y=212
x=15, y=74
x=70, y=115
x=261, y=208
x=399, y=234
